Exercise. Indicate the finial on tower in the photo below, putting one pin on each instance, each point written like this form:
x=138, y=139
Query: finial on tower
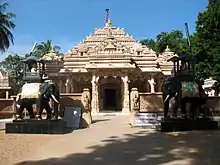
x=106, y=15
x=107, y=20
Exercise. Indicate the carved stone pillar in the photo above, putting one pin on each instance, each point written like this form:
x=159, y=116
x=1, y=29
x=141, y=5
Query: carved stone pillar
x=86, y=109
x=7, y=94
x=72, y=85
x=135, y=105
x=126, y=108
x=135, y=100
x=95, y=97
x=152, y=85
x=67, y=84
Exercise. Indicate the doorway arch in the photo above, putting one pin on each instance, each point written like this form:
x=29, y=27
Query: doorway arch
x=110, y=94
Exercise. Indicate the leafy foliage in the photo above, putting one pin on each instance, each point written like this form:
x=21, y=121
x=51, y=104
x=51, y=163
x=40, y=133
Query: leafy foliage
x=150, y=43
x=207, y=46
x=14, y=66
x=6, y=37
x=45, y=48
x=174, y=40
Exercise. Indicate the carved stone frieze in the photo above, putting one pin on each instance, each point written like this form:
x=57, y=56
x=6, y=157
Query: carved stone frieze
x=82, y=77
x=109, y=72
x=137, y=76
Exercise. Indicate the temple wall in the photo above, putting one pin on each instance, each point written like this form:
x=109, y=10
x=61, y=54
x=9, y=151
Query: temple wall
x=153, y=102
x=6, y=108
x=73, y=99
x=148, y=103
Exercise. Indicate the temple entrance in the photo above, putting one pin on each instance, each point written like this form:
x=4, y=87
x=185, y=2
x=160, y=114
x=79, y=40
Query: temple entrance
x=110, y=94
x=110, y=101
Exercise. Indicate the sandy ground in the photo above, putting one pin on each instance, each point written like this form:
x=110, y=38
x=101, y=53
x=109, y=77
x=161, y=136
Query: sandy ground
x=111, y=141
x=14, y=147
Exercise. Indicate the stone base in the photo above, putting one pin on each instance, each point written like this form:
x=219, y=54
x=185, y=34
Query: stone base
x=125, y=110
x=178, y=124
x=132, y=119
x=86, y=120
x=36, y=127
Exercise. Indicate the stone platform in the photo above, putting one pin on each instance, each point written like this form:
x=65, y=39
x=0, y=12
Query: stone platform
x=36, y=127
x=180, y=124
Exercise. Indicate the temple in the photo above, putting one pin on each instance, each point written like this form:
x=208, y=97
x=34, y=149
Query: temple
x=110, y=63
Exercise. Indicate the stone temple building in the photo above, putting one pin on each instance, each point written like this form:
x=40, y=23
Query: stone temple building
x=110, y=63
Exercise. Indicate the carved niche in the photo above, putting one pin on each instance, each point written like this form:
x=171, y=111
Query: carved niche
x=135, y=100
x=86, y=99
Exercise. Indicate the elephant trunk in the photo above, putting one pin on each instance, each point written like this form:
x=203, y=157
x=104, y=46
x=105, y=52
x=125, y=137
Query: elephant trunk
x=54, y=99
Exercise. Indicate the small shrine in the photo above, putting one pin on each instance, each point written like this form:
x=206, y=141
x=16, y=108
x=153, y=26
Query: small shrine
x=4, y=84
x=209, y=86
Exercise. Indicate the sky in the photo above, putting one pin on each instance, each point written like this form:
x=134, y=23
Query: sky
x=67, y=22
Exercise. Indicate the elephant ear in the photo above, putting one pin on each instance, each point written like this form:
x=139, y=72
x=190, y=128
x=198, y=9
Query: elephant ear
x=43, y=88
x=168, y=81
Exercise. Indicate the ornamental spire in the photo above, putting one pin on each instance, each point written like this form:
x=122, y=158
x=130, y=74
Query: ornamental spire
x=107, y=20
x=106, y=15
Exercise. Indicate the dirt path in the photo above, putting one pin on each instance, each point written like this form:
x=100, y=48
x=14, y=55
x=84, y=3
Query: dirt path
x=110, y=141
x=15, y=147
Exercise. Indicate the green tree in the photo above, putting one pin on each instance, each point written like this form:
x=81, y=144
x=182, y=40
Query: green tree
x=207, y=45
x=6, y=25
x=174, y=39
x=45, y=48
x=14, y=66
x=152, y=44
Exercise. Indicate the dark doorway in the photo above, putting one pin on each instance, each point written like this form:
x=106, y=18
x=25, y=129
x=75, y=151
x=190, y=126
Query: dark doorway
x=110, y=101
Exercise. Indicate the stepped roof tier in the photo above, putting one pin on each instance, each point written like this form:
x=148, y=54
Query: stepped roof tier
x=111, y=47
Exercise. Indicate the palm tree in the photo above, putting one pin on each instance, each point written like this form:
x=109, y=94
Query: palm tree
x=6, y=37
x=45, y=48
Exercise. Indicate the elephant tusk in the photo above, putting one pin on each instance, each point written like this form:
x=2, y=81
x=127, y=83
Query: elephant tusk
x=54, y=98
x=166, y=98
x=176, y=94
x=18, y=97
x=18, y=106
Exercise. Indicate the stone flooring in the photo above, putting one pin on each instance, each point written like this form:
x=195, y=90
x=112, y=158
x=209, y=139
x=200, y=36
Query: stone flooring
x=111, y=141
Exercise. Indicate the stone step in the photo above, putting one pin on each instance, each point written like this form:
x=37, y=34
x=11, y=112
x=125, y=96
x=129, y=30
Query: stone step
x=36, y=127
